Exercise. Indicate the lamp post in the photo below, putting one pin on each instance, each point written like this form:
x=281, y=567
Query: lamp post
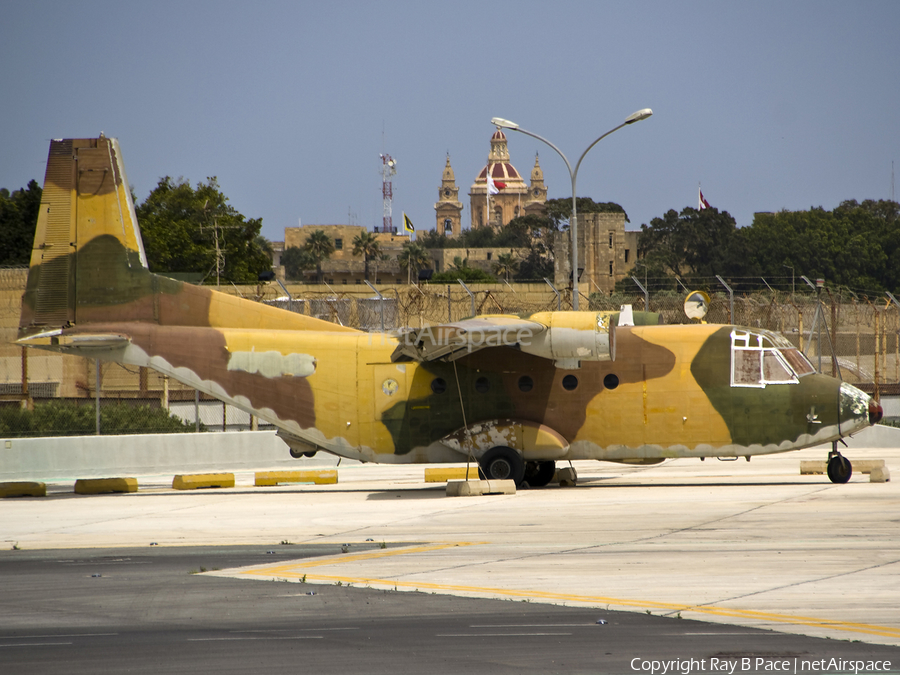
x=573, y=175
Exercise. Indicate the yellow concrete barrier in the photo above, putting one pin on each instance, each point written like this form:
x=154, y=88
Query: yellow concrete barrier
x=23, y=489
x=321, y=477
x=97, y=486
x=443, y=474
x=203, y=480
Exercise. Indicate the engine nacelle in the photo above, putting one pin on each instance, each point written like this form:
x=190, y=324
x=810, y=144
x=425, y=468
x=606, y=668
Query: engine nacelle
x=572, y=337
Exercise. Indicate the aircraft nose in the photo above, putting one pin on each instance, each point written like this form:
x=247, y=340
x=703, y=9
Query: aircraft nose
x=857, y=409
x=876, y=412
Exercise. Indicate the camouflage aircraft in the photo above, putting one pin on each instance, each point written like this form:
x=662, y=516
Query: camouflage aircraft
x=514, y=393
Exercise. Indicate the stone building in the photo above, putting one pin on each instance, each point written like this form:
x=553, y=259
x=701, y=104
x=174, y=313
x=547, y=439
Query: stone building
x=448, y=209
x=606, y=253
x=514, y=198
x=443, y=259
x=345, y=268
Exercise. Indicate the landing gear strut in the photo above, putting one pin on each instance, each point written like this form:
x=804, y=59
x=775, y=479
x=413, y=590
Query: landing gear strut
x=839, y=467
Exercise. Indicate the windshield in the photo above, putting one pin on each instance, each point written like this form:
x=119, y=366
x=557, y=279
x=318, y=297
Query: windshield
x=758, y=359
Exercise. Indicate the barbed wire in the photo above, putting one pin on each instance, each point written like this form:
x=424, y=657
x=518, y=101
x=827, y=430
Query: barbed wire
x=863, y=327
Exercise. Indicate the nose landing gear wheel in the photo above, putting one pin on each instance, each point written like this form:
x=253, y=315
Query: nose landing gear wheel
x=839, y=468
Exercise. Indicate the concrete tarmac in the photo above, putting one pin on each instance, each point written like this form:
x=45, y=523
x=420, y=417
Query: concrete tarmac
x=746, y=544
x=152, y=610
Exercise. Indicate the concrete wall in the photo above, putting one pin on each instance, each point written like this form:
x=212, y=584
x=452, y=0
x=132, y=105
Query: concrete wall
x=68, y=458
x=878, y=436
x=71, y=457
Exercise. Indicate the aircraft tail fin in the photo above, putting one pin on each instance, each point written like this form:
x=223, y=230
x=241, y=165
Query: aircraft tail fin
x=86, y=199
x=88, y=263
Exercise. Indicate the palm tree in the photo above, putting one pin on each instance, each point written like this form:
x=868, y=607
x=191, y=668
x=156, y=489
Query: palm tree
x=505, y=264
x=264, y=245
x=319, y=247
x=366, y=245
x=460, y=263
x=413, y=258
x=295, y=261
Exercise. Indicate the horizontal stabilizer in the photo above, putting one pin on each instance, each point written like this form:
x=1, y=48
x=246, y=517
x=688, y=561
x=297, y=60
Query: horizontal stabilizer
x=55, y=339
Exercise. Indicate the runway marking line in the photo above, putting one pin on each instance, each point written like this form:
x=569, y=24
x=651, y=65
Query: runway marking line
x=287, y=571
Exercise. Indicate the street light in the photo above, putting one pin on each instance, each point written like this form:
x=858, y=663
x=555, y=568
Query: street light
x=573, y=221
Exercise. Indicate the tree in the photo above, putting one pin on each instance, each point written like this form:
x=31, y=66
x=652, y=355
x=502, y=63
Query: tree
x=295, y=261
x=694, y=243
x=559, y=210
x=179, y=226
x=433, y=239
x=461, y=270
x=18, y=221
x=505, y=264
x=264, y=245
x=366, y=245
x=319, y=247
x=853, y=246
x=534, y=233
x=535, y=266
x=413, y=258
x=478, y=237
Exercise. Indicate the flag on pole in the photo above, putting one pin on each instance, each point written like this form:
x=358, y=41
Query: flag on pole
x=494, y=187
x=407, y=223
x=703, y=203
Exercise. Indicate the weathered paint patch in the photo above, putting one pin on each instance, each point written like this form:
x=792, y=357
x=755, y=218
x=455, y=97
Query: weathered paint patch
x=272, y=364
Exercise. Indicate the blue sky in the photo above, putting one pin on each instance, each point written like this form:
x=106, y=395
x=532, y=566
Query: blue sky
x=770, y=105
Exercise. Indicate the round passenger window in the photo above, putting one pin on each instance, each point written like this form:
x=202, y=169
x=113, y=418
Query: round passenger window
x=481, y=385
x=526, y=383
x=569, y=382
x=438, y=385
x=611, y=381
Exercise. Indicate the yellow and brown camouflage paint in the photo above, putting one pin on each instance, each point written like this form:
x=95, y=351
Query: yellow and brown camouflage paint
x=665, y=392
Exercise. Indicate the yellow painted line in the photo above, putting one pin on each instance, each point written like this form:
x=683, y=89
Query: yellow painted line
x=282, y=569
x=285, y=571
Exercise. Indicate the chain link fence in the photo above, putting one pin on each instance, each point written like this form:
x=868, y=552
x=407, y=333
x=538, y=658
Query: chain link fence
x=42, y=393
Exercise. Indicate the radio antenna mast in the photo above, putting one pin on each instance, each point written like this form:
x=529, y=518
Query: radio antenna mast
x=388, y=169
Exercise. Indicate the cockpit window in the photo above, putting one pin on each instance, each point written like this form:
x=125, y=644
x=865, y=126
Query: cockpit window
x=798, y=362
x=774, y=369
x=757, y=360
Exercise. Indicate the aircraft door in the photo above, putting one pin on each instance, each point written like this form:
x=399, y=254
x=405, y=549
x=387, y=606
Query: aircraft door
x=390, y=429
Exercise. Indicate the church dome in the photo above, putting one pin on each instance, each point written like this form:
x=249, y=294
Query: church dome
x=502, y=170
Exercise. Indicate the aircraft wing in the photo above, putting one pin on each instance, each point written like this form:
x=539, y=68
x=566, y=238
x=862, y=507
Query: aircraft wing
x=449, y=341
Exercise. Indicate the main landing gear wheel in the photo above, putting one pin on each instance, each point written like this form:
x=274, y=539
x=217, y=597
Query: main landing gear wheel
x=502, y=463
x=297, y=454
x=839, y=468
x=539, y=474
